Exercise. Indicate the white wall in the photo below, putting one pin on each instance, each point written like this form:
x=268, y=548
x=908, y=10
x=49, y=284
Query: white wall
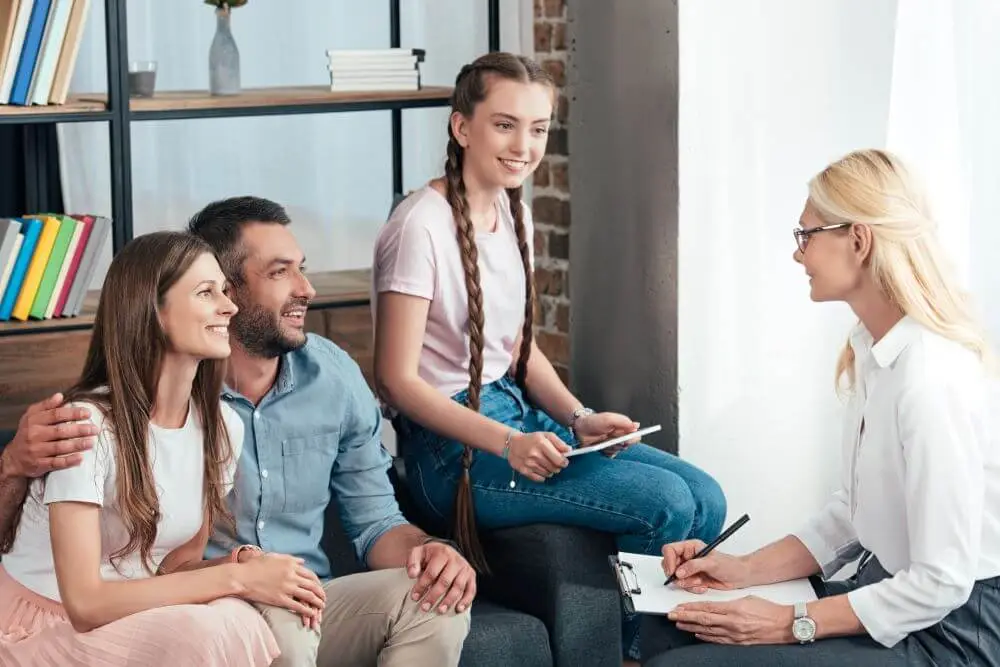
x=332, y=171
x=771, y=92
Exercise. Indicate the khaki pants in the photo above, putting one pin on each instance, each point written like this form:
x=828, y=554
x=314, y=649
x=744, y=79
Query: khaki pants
x=369, y=620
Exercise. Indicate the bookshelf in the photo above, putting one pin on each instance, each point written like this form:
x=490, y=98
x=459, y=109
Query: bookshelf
x=334, y=289
x=38, y=358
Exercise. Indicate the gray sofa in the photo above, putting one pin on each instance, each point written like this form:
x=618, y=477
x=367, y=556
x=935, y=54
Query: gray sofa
x=550, y=601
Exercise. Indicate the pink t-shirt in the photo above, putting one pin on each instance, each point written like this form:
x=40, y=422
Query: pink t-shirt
x=417, y=253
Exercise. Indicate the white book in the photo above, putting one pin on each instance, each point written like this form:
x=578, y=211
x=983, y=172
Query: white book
x=641, y=579
x=375, y=79
x=10, y=245
x=42, y=46
x=9, y=268
x=64, y=269
x=372, y=86
x=368, y=73
x=374, y=53
x=375, y=64
x=46, y=69
x=16, y=44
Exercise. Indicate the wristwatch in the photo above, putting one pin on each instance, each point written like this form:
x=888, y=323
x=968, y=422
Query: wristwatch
x=803, y=627
x=579, y=412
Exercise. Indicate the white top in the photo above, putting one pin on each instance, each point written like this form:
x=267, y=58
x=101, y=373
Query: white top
x=177, y=457
x=417, y=253
x=921, y=481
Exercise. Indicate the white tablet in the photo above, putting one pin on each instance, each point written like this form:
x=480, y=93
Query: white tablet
x=604, y=444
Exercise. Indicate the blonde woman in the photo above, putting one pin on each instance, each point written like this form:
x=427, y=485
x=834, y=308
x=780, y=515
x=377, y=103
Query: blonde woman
x=920, y=500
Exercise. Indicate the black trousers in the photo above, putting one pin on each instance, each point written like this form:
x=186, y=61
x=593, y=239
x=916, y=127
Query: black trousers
x=967, y=637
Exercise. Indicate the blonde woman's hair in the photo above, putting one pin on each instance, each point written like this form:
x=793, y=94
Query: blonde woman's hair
x=907, y=261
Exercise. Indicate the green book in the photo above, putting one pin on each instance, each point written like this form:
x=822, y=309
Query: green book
x=65, y=234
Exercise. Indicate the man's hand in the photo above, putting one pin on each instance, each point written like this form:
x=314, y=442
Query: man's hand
x=443, y=577
x=48, y=438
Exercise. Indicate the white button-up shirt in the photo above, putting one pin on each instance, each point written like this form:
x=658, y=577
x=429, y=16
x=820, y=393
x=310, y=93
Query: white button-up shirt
x=921, y=481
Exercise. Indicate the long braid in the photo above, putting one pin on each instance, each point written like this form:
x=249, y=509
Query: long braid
x=470, y=90
x=527, y=328
x=464, y=520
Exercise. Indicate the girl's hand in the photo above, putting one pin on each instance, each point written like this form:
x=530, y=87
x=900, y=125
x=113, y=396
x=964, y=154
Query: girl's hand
x=538, y=455
x=283, y=581
x=591, y=429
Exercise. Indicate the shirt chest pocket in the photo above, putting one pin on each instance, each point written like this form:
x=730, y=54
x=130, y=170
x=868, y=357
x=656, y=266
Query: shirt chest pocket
x=306, y=466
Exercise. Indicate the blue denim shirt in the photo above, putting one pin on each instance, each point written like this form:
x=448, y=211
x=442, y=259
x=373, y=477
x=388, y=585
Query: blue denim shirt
x=314, y=435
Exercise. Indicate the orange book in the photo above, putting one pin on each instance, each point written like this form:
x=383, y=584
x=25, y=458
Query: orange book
x=39, y=260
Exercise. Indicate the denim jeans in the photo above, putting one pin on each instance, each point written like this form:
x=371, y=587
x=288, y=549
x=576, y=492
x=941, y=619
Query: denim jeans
x=644, y=496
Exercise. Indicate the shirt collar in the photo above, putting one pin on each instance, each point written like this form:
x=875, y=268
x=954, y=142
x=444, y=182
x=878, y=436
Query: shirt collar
x=887, y=350
x=283, y=383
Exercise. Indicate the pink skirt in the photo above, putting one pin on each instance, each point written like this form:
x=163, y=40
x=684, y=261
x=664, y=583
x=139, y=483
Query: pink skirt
x=35, y=632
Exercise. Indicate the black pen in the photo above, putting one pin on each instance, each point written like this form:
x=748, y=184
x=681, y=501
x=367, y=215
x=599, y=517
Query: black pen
x=716, y=542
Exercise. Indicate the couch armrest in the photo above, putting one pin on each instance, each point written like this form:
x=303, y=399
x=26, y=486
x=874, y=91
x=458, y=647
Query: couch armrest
x=559, y=574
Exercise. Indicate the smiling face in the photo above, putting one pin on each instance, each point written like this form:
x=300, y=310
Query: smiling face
x=504, y=139
x=833, y=258
x=195, y=312
x=275, y=293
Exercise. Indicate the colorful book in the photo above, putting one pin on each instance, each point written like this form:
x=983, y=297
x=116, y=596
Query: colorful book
x=9, y=269
x=64, y=234
x=14, y=48
x=45, y=72
x=75, y=228
x=29, y=53
x=10, y=234
x=67, y=55
x=30, y=230
x=88, y=264
x=86, y=224
x=46, y=32
x=36, y=269
x=8, y=20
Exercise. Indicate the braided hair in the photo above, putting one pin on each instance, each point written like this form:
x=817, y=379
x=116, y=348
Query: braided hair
x=471, y=87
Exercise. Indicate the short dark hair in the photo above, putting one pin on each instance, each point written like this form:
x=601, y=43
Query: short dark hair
x=221, y=223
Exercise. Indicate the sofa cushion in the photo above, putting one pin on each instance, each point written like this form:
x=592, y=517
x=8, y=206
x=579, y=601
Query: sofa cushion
x=501, y=637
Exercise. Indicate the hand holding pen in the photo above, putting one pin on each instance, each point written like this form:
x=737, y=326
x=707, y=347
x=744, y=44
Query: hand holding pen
x=695, y=566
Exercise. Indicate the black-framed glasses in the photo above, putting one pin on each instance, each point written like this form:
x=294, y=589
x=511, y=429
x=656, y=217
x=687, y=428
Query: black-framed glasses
x=802, y=235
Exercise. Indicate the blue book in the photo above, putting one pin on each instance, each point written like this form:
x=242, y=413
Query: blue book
x=29, y=52
x=31, y=228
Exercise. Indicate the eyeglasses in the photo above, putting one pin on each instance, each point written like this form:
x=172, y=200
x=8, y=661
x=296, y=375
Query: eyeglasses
x=802, y=235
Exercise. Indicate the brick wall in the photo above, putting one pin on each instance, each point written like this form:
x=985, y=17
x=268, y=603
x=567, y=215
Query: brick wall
x=551, y=204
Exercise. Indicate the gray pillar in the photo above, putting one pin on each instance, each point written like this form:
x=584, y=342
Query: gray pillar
x=623, y=77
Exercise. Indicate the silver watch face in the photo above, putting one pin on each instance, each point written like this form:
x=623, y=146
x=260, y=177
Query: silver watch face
x=804, y=629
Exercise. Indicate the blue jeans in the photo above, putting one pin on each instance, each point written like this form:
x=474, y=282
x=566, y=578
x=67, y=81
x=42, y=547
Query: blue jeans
x=644, y=496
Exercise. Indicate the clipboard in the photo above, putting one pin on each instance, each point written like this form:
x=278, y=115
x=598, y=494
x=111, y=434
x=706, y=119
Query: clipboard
x=641, y=584
x=628, y=581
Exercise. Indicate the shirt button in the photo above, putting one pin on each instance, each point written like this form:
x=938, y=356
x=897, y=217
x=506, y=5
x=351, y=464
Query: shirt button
x=256, y=415
x=260, y=525
x=263, y=473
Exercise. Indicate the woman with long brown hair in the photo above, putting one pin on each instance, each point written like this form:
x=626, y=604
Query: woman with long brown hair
x=485, y=421
x=104, y=565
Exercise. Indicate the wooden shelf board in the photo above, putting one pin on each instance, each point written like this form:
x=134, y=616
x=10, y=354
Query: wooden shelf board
x=333, y=288
x=74, y=104
x=187, y=100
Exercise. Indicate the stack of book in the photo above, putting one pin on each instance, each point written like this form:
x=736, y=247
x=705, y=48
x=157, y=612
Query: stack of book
x=375, y=69
x=39, y=42
x=47, y=263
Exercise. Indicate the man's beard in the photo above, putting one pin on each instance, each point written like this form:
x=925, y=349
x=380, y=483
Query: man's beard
x=258, y=330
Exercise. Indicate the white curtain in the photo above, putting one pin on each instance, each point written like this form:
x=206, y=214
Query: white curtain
x=332, y=171
x=771, y=91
